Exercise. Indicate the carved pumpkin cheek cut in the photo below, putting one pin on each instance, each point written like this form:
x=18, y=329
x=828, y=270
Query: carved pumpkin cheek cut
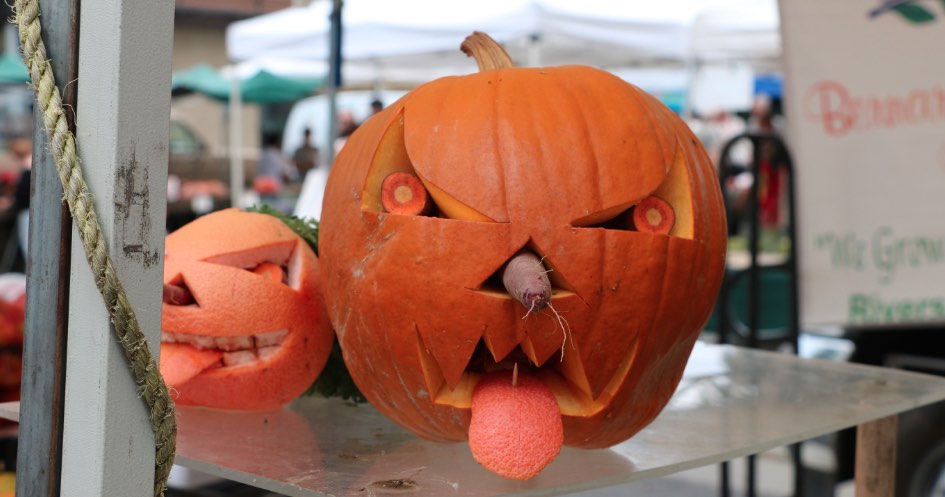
x=609, y=191
x=251, y=333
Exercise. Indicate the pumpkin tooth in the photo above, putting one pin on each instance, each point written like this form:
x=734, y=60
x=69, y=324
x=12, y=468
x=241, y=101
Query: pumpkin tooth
x=267, y=352
x=168, y=337
x=501, y=343
x=233, y=343
x=199, y=341
x=571, y=368
x=529, y=349
x=271, y=338
x=238, y=357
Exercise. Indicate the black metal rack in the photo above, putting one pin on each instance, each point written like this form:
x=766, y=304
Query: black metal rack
x=760, y=290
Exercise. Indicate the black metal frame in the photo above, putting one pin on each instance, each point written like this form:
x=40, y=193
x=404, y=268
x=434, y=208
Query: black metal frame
x=749, y=334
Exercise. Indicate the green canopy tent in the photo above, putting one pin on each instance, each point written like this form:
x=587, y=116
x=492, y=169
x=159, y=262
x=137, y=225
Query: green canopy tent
x=200, y=78
x=13, y=71
x=267, y=88
x=262, y=88
x=16, y=104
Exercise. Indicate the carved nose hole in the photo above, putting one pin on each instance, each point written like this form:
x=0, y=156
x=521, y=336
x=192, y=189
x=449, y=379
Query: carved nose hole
x=556, y=280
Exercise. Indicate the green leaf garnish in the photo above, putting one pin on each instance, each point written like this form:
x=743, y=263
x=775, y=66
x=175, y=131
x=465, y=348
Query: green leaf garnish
x=306, y=228
x=334, y=380
x=915, y=14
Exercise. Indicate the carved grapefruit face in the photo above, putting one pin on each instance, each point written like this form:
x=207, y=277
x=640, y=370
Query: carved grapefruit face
x=601, y=182
x=251, y=332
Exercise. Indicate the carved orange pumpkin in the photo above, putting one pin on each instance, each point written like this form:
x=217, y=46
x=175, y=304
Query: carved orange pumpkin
x=250, y=331
x=549, y=160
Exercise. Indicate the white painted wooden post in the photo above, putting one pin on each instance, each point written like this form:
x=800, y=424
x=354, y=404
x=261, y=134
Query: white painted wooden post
x=122, y=131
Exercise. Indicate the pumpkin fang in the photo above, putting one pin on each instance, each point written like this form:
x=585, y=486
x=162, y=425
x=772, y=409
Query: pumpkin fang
x=563, y=375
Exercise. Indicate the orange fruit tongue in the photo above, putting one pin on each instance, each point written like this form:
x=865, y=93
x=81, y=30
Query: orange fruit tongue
x=515, y=431
x=180, y=363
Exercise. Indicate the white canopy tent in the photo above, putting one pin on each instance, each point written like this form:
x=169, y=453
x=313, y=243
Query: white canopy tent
x=746, y=32
x=660, y=46
x=413, y=41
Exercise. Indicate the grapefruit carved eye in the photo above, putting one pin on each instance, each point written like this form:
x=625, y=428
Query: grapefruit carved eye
x=243, y=323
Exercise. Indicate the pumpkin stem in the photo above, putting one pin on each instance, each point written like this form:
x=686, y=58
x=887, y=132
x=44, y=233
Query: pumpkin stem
x=488, y=53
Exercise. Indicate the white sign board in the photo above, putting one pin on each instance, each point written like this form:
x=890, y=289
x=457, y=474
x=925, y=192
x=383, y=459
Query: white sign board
x=865, y=107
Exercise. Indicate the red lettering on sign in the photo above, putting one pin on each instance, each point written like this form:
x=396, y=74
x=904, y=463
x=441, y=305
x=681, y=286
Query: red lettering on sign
x=831, y=105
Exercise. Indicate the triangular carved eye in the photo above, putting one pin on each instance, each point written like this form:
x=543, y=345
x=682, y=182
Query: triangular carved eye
x=667, y=211
x=278, y=263
x=393, y=186
x=273, y=272
x=650, y=215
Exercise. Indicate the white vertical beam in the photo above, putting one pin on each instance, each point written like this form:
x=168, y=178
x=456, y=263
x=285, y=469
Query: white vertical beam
x=122, y=131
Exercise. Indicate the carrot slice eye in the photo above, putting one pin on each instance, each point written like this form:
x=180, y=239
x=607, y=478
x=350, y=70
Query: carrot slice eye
x=404, y=193
x=271, y=271
x=653, y=215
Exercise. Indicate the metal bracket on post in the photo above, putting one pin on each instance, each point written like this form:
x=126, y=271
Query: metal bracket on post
x=41, y=404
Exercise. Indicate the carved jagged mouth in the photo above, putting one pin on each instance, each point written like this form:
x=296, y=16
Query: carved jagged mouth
x=235, y=350
x=562, y=373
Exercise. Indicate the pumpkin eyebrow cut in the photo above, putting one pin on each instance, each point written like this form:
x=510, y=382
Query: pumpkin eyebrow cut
x=393, y=186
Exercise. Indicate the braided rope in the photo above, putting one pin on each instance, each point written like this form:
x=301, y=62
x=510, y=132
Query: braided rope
x=147, y=375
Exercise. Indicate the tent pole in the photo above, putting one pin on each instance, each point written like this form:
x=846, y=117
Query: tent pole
x=236, y=141
x=534, y=50
x=692, y=72
x=334, y=79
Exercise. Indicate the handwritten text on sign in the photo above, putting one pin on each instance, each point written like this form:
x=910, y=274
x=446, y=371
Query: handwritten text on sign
x=887, y=255
x=866, y=126
x=840, y=112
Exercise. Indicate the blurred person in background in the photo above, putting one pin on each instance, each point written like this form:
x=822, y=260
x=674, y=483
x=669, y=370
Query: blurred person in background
x=770, y=159
x=22, y=151
x=741, y=157
x=346, y=125
x=306, y=156
x=376, y=106
x=720, y=127
x=273, y=171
